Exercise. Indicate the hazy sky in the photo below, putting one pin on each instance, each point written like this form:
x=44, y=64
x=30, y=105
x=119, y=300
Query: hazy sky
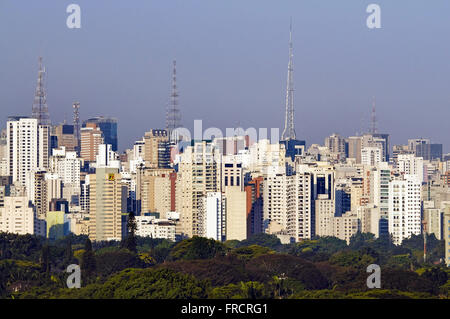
x=232, y=60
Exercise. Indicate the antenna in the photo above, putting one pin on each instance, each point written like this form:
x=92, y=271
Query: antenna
x=173, y=116
x=373, y=119
x=40, y=109
x=289, y=131
x=76, y=123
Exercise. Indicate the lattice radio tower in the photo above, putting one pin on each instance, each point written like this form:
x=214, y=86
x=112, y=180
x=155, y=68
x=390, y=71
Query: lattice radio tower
x=76, y=123
x=40, y=108
x=373, y=119
x=289, y=130
x=173, y=116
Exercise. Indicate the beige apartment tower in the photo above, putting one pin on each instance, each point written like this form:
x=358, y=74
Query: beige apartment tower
x=107, y=197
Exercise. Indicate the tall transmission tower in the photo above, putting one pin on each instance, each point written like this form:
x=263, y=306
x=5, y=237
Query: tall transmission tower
x=40, y=109
x=76, y=123
x=173, y=116
x=373, y=119
x=289, y=131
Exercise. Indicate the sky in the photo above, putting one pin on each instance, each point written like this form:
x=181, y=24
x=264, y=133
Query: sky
x=232, y=61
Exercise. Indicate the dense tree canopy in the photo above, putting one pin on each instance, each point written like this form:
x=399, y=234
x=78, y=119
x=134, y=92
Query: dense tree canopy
x=259, y=267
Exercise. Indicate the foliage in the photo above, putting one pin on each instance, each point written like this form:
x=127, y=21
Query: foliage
x=259, y=267
x=262, y=239
x=197, y=248
x=134, y=284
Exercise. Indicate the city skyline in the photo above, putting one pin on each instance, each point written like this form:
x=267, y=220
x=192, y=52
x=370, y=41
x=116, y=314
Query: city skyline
x=229, y=97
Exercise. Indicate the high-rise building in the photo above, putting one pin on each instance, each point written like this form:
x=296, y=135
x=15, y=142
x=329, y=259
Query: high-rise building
x=254, y=206
x=66, y=137
x=108, y=126
x=354, y=148
x=336, y=144
x=325, y=212
x=236, y=216
x=91, y=138
x=411, y=165
x=429, y=151
x=16, y=216
x=28, y=147
x=232, y=173
x=156, y=149
x=371, y=156
x=107, y=201
x=381, y=141
x=212, y=216
x=447, y=234
x=68, y=168
x=155, y=191
x=432, y=217
x=67, y=165
x=198, y=174
x=404, y=208
x=376, y=190
x=345, y=226
x=343, y=198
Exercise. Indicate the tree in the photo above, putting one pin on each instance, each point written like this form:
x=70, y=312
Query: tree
x=197, y=248
x=262, y=239
x=68, y=253
x=88, y=264
x=45, y=260
x=130, y=241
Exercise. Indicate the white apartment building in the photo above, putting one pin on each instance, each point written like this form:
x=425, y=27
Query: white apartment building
x=67, y=165
x=16, y=216
x=287, y=205
x=371, y=155
x=27, y=147
x=149, y=226
x=404, y=208
x=212, y=216
x=345, y=226
x=236, y=213
x=198, y=173
x=410, y=165
x=447, y=234
x=325, y=210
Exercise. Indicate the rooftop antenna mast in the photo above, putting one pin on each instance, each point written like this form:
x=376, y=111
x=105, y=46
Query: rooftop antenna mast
x=40, y=109
x=173, y=116
x=289, y=131
x=76, y=123
x=373, y=119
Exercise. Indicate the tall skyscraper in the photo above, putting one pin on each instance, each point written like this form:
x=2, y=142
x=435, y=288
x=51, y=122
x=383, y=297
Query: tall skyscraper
x=198, y=174
x=156, y=149
x=404, y=208
x=65, y=135
x=16, y=216
x=107, y=201
x=236, y=216
x=447, y=234
x=91, y=138
x=28, y=147
x=40, y=108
